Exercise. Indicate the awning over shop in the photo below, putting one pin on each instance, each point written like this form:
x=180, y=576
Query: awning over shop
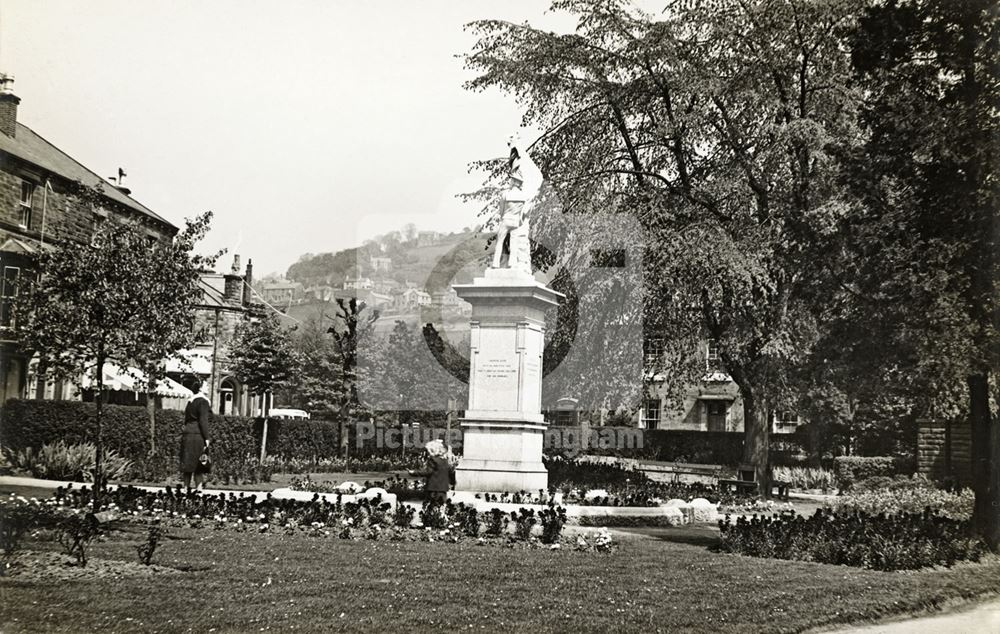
x=191, y=362
x=132, y=380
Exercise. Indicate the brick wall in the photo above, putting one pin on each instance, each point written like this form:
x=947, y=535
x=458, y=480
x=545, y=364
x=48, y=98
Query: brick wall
x=944, y=450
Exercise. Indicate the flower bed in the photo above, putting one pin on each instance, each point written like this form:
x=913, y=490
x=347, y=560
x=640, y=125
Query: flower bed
x=905, y=495
x=370, y=519
x=900, y=541
x=348, y=465
x=617, y=485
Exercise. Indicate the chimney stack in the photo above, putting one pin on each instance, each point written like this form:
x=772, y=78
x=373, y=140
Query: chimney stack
x=247, y=281
x=234, y=284
x=8, y=105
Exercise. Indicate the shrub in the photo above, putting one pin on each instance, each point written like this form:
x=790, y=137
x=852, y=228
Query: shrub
x=60, y=461
x=851, y=469
x=524, y=520
x=496, y=523
x=553, y=519
x=147, y=548
x=806, y=477
x=432, y=515
x=78, y=531
x=468, y=520
x=404, y=515
x=907, y=495
x=902, y=541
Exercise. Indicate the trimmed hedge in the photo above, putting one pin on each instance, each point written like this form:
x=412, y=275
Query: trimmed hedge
x=852, y=469
x=33, y=423
x=704, y=447
x=300, y=439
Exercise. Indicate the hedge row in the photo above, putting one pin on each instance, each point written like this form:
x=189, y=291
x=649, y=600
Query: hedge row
x=235, y=440
x=33, y=423
x=705, y=447
x=852, y=469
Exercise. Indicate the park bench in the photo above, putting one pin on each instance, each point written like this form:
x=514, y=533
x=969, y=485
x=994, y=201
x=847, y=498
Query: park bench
x=746, y=481
x=677, y=469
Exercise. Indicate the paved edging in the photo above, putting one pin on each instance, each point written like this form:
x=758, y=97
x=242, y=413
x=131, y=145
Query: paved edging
x=973, y=616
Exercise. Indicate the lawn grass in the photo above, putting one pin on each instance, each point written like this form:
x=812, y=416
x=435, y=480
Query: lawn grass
x=658, y=580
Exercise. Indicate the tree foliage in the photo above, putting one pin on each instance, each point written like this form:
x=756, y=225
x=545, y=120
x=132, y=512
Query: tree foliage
x=714, y=125
x=920, y=248
x=123, y=298
x=262, y=355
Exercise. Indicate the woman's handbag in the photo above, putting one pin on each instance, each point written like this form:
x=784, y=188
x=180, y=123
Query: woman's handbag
x=204, y=462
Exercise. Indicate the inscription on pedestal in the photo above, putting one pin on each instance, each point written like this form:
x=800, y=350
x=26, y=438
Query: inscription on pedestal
x=498, y=369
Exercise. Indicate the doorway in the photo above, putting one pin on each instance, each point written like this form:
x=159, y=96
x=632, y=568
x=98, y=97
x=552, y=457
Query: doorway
x=717, y=414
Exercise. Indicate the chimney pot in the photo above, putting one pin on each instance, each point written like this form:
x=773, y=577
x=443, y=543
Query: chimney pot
x=8, y=105
x=247, y=281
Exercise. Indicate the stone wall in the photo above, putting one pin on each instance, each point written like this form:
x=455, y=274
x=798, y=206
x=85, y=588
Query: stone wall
x=944, y=450
x=65, y=216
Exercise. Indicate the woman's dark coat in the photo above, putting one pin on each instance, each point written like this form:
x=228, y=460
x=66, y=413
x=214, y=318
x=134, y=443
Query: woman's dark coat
x=197, y=421
x=441, y=476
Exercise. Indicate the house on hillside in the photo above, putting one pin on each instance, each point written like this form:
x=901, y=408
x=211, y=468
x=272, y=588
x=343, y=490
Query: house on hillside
x=281, y=292
x=321, y=293
x=381, y=264
x=413, y=298
x=38, y=209
x=428, y=238
x=387, y=286
x=358, y=283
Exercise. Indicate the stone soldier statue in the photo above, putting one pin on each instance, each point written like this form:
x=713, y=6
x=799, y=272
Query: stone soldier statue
x=524, y=181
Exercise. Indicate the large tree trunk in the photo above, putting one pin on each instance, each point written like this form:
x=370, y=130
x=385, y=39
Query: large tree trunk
x=985, y=470
x=757, y=438
x=756, y=428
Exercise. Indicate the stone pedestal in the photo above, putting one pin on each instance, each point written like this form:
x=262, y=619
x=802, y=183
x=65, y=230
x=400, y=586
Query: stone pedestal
x=503, y=425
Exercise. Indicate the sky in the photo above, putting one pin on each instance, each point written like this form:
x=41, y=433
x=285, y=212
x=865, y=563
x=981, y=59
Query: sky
x=305, y=126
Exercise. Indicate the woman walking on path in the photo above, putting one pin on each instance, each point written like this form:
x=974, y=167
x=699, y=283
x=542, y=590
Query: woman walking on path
x=195, y=438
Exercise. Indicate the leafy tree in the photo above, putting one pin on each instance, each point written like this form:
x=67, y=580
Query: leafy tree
x=119, y=299
x=262, y=356
x=922, y=244
x=318, y=384
x=712, y=124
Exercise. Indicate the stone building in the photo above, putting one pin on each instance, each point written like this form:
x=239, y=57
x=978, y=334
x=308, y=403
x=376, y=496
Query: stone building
x=226, y=302
x=711, y=404
x=38, y=208
x=282, y=292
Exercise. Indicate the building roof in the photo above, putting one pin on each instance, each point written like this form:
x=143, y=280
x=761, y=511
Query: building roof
x=213, y=290
x=29, y=146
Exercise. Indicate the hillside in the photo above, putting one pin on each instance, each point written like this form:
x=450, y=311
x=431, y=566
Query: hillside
x=456, y=256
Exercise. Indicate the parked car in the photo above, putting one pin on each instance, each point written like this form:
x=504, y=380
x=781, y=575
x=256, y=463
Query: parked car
x=281, y=413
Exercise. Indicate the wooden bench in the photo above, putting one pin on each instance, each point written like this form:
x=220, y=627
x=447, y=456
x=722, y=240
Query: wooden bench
x=677, y=469
x=746, y=480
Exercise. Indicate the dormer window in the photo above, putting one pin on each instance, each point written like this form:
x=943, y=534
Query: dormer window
x=27, y=197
